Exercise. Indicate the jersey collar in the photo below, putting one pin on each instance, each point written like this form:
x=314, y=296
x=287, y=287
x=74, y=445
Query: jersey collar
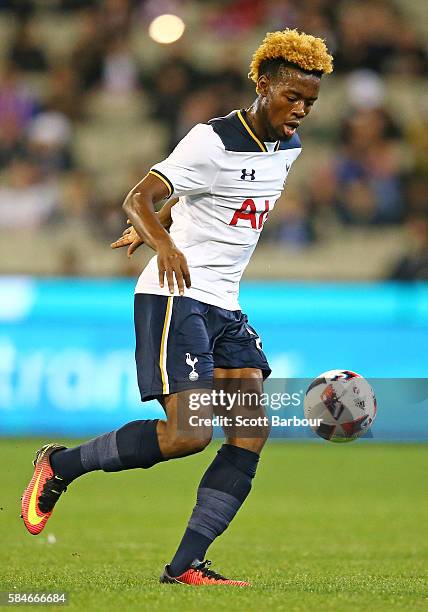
x=237, y=134
x=250, y=131
x=293, y=142
x=261, y=144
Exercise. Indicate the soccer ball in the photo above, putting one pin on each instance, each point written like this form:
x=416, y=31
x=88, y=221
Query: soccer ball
x=345, y=403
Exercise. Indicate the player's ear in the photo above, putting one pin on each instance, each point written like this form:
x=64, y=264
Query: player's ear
x=262, y=85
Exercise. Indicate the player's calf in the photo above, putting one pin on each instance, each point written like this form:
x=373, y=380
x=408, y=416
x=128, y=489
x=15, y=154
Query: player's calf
x=179, y=436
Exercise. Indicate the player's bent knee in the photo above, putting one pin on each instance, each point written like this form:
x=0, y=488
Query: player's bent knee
x=201, y=443
x=190, y=444
x=254, y=444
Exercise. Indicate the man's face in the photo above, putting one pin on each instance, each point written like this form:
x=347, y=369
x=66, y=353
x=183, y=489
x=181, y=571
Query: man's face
x=286, y=100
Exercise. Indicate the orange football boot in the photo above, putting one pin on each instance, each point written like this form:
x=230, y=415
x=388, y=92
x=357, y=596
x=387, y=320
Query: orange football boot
x=43, y=492
x=199, y=575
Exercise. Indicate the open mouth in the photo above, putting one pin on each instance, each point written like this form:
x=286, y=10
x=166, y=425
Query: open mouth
x=290, y=128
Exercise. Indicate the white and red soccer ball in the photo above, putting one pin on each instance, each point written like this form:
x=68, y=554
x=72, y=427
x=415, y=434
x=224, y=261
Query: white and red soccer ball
x=344, y=402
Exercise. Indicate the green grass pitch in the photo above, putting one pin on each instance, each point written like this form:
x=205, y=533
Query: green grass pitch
x=326, y=527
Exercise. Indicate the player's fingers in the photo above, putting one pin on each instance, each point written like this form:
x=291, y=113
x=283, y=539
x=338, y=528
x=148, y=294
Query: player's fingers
x=186, y=273
x=120, y=242
x=133, y=247
x=170, y=279
x=179, y=277
x=161, y=276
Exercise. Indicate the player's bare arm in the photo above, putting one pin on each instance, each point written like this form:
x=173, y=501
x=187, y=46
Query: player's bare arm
x=130, y=237
x=140, y=208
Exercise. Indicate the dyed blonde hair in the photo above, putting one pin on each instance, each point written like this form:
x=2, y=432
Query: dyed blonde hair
x=303, y=50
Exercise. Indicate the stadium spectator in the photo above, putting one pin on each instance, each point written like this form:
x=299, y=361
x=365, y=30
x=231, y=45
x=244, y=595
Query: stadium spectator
x=235, y=18
x=417, y=138
x=412, y=57
x=201, y=106
x=63, y=92
x=369, y=185
x=169, y=85
x=367, y=37
x=116, y=17
x=120, y=67
x=228, y=80
x=88, y=52
x=49, y=136
x=79, y=205
x=18, y=105
x=22, y=9
x=368, y=168
x=27, y=201
x=276, y=14
x=416, y=192
x=322, y=201
x=413, y=264
x=292, y=226
x=12, y=144
x=26, y=52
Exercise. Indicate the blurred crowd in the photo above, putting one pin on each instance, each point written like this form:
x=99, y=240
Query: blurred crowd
x=376, y=175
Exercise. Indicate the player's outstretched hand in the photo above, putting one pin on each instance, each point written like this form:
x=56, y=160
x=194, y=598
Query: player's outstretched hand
x=129, y=238
x=172, y=262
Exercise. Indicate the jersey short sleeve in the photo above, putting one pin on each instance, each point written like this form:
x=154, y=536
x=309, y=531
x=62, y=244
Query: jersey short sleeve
x=192, y=166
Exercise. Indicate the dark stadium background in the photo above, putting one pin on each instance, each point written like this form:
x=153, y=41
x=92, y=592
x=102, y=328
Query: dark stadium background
x=88, y=101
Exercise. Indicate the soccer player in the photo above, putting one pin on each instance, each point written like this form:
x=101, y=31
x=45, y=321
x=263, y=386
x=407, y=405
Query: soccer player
x=190, y=332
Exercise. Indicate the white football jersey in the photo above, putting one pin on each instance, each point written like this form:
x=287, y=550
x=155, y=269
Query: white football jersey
x=227, y=181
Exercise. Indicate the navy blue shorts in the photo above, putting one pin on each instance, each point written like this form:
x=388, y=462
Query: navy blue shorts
x=179, y=342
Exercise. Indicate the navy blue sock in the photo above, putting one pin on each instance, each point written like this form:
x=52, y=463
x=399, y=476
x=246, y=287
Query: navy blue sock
x=135, y=445
x=222, y=491
x=67, y=463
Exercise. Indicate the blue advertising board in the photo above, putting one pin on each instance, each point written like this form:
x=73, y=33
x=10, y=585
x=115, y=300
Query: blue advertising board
x=67, y=348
